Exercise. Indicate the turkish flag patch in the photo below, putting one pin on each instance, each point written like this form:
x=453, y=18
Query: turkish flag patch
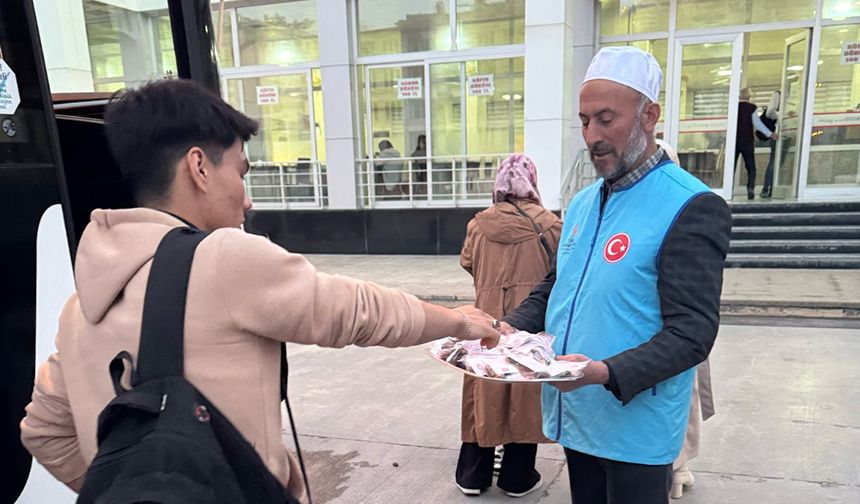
x=616, y=248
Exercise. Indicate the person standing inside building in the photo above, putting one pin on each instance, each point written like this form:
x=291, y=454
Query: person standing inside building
x=392, y=168
x=635, y=292
x=509, y=248
x=182, y=150
x=419, y=165
x=771, y=117
x=748, y=123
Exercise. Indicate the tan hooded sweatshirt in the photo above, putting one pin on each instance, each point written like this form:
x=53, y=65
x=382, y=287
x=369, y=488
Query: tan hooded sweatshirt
x=245, y=296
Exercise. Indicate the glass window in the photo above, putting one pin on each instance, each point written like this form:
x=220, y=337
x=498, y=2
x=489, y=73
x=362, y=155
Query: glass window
x=840, y=9
x=484, y=98
x=103, y=38
x=791, y=113
x=397, y=97
x=494, y=118
x=108, y=87
x=763, y=58
x=223, y=27
x=495, y=97
x=490, y=22
x=834, y=158
x=703, y=109
x=698, y=14
x=659, y=49
x=623, y=17
x=234, y=93
x=491, y=93
x=278, y=34
x=282, y=153
x=762, y=73
x=284, y=125
x=397, y=106
x=165, y=45
x=128, y=47
x=395, y=26
x=446, y=101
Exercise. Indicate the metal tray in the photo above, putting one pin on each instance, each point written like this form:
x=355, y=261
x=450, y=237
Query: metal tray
x=499, y=380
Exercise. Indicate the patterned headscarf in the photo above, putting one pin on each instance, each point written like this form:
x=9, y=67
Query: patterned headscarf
x=516, y=179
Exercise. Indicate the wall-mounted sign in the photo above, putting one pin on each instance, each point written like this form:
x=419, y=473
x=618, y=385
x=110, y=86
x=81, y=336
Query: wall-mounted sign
x=703, y=125
x=481, y=85
x=834, y=120
x=410, y=89
x=850, y=54
x=267, y=95
x=9, y=96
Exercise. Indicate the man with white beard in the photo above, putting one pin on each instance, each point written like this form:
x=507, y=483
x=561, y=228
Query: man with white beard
x=636, y=291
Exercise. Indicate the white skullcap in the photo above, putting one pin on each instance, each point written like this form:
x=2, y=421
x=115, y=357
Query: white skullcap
x=628, y=66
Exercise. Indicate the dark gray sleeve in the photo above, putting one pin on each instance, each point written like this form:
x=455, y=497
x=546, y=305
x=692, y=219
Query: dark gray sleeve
x=690, y=279
x=531, y=313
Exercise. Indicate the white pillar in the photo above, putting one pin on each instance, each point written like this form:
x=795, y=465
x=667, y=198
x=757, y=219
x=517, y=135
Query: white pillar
x=550, y=87
x=584, y=47
x=137, y=47
x=333, y=23
x=64, y=44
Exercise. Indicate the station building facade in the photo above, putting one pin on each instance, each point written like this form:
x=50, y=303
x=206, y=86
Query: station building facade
x=374, y=104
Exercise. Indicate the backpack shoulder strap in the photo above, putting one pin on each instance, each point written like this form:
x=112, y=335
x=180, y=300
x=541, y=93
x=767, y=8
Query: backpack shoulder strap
x=540, y=235
x=285, y=372
x=162, y=332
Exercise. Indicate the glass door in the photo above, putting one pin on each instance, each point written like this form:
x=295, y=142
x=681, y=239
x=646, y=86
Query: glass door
x=790, y=127
x=285, y=168
x=703, y=122
x=396, y=111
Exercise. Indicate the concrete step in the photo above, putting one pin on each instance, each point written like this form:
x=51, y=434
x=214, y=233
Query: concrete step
x=794, y=207
x=795, y=246
x=823, y=261
x=797, y=219
x=795, y=232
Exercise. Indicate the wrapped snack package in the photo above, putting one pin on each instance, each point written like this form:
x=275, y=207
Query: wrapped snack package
x=518, y=357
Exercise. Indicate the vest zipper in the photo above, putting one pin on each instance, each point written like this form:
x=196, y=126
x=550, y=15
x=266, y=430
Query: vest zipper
x=602, y=203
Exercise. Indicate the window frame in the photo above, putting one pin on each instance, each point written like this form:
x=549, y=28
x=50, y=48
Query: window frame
x=358, y=59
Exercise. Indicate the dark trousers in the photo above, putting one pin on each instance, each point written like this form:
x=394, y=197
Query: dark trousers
x=748, y=153
x=768, y=173
x=518, y=474
x=595, y=480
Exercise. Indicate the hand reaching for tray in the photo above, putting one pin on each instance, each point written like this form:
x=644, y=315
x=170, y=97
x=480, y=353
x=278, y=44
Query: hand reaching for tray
x=484, y=327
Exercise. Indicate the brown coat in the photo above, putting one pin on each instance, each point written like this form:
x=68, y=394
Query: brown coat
x=245, y=296
x=503, y=253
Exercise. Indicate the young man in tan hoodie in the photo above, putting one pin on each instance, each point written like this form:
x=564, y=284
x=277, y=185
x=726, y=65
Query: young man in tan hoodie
x=181, y=148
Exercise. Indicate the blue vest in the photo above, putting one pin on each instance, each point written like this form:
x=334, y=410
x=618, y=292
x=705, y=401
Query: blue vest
x=605, y=301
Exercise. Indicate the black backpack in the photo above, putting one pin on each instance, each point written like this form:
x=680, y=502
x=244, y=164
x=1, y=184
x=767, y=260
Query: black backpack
x=768, y=123
x=162, y=441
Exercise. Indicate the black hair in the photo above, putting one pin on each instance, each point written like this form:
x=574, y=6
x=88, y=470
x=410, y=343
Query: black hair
x=150, y=128
x=385, y=144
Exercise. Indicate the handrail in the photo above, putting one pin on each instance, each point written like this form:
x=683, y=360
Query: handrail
x=427, y=181
x=578, y=176
x=287, y=184
x=452, y=156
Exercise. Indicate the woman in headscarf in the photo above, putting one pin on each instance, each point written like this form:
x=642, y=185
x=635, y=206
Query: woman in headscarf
x=509, y=248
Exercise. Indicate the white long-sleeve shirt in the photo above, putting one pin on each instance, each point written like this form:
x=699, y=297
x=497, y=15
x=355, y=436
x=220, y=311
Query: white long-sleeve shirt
x=760, y=125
